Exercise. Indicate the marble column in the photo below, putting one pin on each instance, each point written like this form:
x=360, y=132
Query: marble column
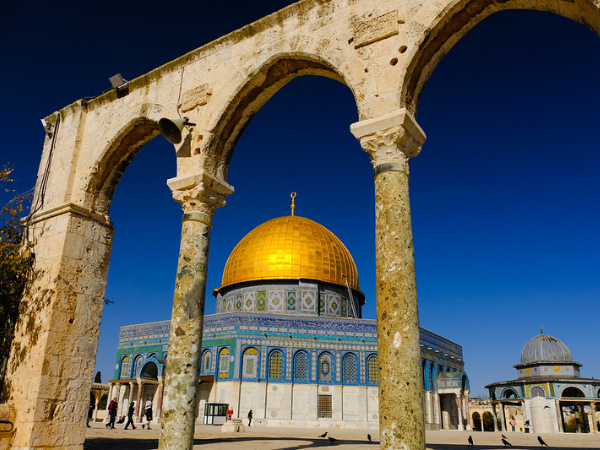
x=459, y=413
x=390, y=140
x=200, y=195
x=159, y=400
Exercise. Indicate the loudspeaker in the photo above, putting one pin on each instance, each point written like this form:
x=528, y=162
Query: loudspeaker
x=171, y=129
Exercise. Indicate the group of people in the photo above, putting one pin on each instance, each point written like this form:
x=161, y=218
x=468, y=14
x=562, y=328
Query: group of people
x=113, y=407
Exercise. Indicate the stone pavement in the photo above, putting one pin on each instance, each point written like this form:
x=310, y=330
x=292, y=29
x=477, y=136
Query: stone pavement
x=271, y=438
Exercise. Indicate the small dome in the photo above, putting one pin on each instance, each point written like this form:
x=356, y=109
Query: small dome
x=544, y=348
x=290, y=247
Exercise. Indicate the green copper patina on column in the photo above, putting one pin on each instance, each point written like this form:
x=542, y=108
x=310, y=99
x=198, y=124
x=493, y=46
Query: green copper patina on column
x=199, y=195
x=390, y=140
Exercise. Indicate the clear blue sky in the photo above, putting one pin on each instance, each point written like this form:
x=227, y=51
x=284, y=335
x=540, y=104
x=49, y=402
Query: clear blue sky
x=504, y=194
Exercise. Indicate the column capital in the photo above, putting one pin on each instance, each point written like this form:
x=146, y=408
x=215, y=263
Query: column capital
x=200, y=193
x=390, y=139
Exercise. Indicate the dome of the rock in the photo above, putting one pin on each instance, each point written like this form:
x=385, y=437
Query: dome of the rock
x=544, y=348
x=290, y=247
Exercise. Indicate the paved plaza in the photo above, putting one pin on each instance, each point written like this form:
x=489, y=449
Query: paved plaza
x=271, y=438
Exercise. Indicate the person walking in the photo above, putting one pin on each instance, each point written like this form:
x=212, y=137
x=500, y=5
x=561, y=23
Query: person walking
x=148, y=412
x=130, y=416
x=113, y=406
x=249, y=417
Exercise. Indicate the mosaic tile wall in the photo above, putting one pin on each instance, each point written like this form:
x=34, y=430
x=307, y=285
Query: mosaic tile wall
x=313, y=299
x=238, y=332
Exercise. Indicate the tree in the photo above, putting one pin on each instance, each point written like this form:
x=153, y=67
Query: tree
x=16, y=263
x=98, y=377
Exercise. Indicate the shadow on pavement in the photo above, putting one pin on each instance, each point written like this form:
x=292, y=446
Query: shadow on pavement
x=149, y=444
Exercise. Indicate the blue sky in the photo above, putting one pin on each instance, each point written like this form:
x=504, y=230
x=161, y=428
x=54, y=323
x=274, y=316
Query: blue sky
x=504, y=194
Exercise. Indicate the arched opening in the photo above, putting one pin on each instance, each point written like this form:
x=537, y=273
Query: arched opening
x=488, y=421
x=349, y=369
x=477, y=422
x=150, y=370
x=499, y=165
x=572, y=392
x=509, y=393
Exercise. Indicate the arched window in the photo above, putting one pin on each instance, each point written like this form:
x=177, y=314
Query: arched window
x=275, y=364
x=250, y=363
x=125, y=368
x=432, y=377
x=224, y=363
x=325, y=368
x=372, y=370
x=425, y=374
x=301, y=366
x=137, y=366
x=206, y=362
x=349, y=369
x=538, y=391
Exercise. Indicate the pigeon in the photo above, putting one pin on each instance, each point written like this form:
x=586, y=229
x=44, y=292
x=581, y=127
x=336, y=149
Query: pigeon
x=369, y=437
x=323, y=435
x=470, y=440
x=541, y=441
x=331, y=440
x=506, y=443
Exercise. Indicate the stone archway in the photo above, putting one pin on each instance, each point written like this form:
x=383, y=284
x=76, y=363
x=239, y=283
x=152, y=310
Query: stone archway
x=383, y=51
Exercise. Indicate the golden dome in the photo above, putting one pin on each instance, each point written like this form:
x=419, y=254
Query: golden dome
x=290, y=247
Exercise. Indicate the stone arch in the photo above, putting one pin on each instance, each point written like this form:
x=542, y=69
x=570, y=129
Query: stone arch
x=508, y=393
x=457, y=18
x=110, y=167
x=488, y=421
x=572, y=392
x=477, y=421
x=247, y=99
x=149, y=370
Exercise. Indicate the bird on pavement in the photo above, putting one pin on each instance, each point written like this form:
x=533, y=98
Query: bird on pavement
x=541, y=441
x=506, y=443
x=323, y=435
x=369, y=437
x=470, y=440
x=331, y=440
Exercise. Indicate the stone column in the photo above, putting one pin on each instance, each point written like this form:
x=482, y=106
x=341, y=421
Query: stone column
x=495, y=416
x=390, y=141
x=53, y=355
x=139, y=408
x=200, y=195
x=159, y=400
x=459, y=408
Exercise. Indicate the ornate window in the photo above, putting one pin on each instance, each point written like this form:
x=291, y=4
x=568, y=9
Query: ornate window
x=275, y=364
x=138, y=366
x=301, y=366
x=372, y=372
x=349, y=368
x=325, y=368
x=224, y=363
x=125, y=368
x=206, y=362
x=250, y=363
x=538, y=391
